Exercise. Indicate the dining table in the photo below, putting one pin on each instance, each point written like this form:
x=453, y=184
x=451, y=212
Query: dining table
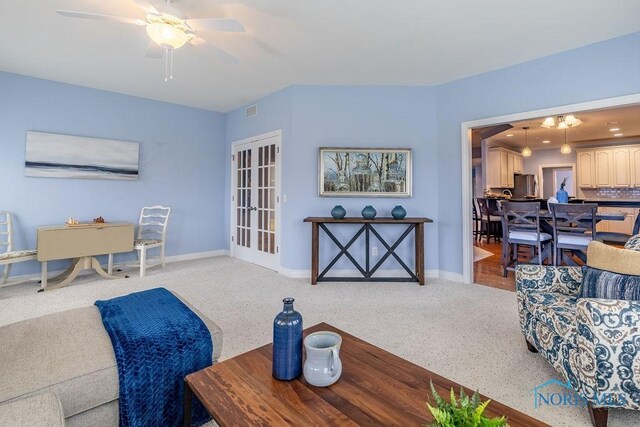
x=546, y=226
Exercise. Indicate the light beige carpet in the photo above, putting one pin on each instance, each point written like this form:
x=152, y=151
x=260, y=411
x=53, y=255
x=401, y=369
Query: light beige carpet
x=468, y=333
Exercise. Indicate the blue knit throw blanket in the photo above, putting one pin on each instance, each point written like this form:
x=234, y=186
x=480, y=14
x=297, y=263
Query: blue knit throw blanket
x=157, y=341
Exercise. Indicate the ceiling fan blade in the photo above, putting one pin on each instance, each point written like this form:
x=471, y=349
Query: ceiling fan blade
x=75, y=14
x=147, y=7
x=154, y=51
x=216, y=24
x=223, y=55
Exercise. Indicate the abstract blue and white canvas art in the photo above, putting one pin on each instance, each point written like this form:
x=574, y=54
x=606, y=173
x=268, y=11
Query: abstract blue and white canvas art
x=64, y=156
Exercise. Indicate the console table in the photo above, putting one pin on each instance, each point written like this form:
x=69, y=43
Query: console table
x=82, y=244
x=367, y=227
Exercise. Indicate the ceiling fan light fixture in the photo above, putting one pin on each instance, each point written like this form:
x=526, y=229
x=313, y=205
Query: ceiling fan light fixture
x=563, y=125
x=167, y=35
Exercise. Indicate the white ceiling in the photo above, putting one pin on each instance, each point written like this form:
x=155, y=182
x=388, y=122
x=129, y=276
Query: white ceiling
x=376, y=42
x=595, y=129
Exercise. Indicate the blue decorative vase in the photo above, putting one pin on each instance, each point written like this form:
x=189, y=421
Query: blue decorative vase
x=287, y=343
x=369, y=212
x=338, y=212
x=398, y=212
x=562, y=196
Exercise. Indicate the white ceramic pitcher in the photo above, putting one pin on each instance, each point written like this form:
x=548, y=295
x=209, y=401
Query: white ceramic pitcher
x=322, y=366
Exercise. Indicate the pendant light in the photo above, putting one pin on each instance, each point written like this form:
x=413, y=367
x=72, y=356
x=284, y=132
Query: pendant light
x=566, y=148
x=526, y=151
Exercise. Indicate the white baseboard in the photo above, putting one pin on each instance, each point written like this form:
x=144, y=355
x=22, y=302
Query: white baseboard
x=430, y=274
x=197, y=255
x=15, y=280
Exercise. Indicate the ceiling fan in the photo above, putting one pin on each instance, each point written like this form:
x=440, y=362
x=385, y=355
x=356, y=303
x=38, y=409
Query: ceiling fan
x=170, y=29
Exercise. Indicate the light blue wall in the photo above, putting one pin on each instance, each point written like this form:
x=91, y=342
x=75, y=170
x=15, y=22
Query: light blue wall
x=602, y=70
x=317, y=116
x=313, y=116
x=181, y=162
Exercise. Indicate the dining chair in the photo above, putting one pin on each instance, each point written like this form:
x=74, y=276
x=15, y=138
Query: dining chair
x=614, y=238
x=489, y=223
x=477, y=225
x=152, y=233
x=574, y=226
x=9, y=257
x=521, y=227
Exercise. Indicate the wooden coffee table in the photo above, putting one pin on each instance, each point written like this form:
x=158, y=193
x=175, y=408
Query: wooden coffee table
x=376, y=388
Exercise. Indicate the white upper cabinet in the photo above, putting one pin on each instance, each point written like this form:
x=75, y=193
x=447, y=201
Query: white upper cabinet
x=603, y=168
x=634, y=157
x=609, y=167
x=621, y=167
x=501, y=165
x=586, y=169
x=518, y=164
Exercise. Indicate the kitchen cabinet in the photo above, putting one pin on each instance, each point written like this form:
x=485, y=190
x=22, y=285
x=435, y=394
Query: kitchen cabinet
x=518, y=164
x=620, y=170
x=501, y=165
x=634, y=160
x=625, y=226
x=586, y=169
x=609, y=167
x=603, y=168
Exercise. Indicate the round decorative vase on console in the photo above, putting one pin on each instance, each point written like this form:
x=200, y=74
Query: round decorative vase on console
x=338, y=212
x=369, y=212
x=287, y=343
x=398, y=212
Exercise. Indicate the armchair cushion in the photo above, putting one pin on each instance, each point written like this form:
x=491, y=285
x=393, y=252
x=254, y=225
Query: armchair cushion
x=616, y=260
x=609, y=285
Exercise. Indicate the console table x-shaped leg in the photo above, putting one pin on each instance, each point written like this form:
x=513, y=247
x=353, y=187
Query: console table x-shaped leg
x=368, y=270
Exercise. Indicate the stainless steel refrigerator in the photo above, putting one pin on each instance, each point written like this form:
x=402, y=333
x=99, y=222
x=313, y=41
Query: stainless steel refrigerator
x=525, y=186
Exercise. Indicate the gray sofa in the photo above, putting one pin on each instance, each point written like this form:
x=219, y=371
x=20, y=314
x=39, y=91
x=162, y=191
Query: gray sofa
x=70, y=355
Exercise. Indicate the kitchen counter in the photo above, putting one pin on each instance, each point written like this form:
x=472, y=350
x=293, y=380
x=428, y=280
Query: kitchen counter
x=632, y=203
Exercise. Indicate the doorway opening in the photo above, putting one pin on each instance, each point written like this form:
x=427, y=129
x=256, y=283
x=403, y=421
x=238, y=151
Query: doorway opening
x=552, y=176
x=522, y=130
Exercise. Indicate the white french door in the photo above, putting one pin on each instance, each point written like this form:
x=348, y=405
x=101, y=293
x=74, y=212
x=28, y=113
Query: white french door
x=255, y=201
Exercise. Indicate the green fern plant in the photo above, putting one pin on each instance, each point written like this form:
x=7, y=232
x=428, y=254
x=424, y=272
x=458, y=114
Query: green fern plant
x=462, y=412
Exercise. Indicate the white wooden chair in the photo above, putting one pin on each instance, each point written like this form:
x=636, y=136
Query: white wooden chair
x=9, y=256
x=152, y=233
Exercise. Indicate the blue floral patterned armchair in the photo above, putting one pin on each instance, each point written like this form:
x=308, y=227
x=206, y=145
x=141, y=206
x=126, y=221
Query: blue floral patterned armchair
x=594, y=344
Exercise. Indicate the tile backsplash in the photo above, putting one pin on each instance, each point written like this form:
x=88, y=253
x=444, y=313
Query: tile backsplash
x=611, y=193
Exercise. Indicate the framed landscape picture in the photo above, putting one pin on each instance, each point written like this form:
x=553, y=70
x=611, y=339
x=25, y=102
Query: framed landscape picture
x=364, y=172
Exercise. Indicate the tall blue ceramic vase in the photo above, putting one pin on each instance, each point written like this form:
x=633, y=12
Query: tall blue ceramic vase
x=287, y=343
x=562, y=196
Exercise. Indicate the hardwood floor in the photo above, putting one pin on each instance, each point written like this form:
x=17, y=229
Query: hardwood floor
x=488, y=271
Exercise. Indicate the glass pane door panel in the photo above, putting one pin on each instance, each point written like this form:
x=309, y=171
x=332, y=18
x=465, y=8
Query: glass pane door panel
x=243, y=199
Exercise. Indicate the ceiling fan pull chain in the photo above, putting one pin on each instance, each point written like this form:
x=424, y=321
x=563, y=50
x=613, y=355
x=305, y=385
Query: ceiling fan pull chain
x=166, y=65
x=171, y=66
